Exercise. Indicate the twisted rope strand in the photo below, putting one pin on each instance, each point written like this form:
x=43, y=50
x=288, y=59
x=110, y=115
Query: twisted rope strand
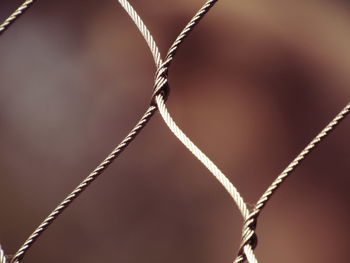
x=188, y=28
x=15, y=15
x=83, y=185
x=160, y=93
x=161, y=88
x=109, y=159
x=230, y=188
x=143, y=30
x=128, y=139
x=297, y=161
x=249, y=227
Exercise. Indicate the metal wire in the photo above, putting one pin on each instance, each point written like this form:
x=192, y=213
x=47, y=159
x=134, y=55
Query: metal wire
x=105, y=163
x=251, y=222
x=249, y=239
x=297, y=161
x=160, y=93
x=15, y=15
x=230, y=188
x=2, y=256
x=160, y=86
x=83, y=185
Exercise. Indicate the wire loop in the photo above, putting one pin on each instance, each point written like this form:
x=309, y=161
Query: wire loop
x=161, y=85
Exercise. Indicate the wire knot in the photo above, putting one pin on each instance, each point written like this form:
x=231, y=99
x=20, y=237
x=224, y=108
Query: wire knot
x=161, y=85
x=249, y=236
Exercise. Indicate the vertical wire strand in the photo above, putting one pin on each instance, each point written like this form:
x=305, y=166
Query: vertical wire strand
x=15, y=15
x=2, y=256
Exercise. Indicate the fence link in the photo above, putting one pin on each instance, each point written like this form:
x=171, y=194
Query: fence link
x=159, y=96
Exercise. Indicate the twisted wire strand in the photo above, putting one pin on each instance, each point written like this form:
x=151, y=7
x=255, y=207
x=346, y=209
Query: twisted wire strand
x=158, y=98
x=297, y=161
x=115, y=153
x=143, y=30
x=249, y=227
x=160, y=93
x=218, y=174
x=83, y=185
x=2, y=256
x=15, y=15
x=109, y=159
x=230, y=188
x=187, y=29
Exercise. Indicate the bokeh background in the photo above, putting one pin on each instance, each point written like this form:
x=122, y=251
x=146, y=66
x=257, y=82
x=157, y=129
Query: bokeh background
x=253, y=84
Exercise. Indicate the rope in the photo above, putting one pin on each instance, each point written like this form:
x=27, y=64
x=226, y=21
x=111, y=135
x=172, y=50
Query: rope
x=15, y=15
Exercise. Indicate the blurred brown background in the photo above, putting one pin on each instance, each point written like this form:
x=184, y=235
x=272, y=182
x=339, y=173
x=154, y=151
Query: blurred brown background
x=251, y=86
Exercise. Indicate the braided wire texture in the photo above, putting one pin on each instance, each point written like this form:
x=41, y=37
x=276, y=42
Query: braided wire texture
x=104, y=164
x=15, y=15
x=297, y=161
x=230, y=188
x=225, y=182
x=249, y=236
x=83, y=185
x=160, y=86
x=160, y=93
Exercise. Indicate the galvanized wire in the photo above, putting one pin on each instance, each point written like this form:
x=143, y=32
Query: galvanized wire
x=83, y=185
x=15, y=15
x=160, y=93
x=160, y=88
x=249, y=239
x=100, y=168
x=251, y=222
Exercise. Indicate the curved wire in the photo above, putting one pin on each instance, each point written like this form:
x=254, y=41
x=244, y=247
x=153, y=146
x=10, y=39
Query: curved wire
x=247, y=246
x=230, y=188
x=107, y=161
x=128, y=139
x=2, y=256
x=15, y=15
x=249, y=228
